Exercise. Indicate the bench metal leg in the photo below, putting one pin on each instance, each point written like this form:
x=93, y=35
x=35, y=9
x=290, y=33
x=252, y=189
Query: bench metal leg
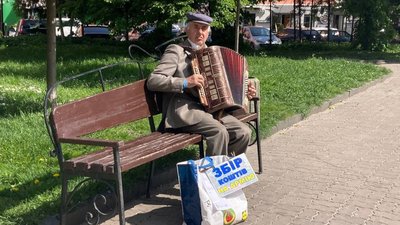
x=201, y=149
x=260, y=167
x=149, y=181
x=121, y=206
x=257, y=110
x=64, y=196
x=120, y=191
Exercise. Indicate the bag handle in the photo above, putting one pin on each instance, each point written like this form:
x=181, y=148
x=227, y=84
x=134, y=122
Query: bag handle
x=208, y=165
x=205, y=164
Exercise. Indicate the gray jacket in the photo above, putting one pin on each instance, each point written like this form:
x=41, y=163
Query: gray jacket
x=180, y=108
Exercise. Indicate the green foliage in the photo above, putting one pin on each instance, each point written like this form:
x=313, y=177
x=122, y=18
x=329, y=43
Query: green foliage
x=374, y=28
x=122, y=15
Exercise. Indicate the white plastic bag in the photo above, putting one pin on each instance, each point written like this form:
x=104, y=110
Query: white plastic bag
x=201, y=204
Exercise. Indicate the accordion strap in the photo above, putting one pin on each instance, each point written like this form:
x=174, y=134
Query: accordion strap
x=187, y=49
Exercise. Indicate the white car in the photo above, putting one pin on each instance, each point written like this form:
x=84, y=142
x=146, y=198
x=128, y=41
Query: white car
x=67, y=28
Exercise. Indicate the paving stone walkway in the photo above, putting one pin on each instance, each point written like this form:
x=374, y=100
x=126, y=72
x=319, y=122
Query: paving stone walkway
x=340, y=166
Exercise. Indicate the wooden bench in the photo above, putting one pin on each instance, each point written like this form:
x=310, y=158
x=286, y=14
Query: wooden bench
x=70, y=123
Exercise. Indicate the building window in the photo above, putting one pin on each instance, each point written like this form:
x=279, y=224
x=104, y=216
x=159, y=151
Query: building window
x=307, y=20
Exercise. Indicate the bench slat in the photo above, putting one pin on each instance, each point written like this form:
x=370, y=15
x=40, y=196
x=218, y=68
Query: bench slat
x=139, y=144
x=101, y=111
x=83, y=162
x=247, y=117
x=181, y=141
x=134, y=153
x=71, y=164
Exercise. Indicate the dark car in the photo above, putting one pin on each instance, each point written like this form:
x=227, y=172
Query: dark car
x=288, y=35
x=340, y=36
x=313, y=35
x=93, y=31
x=175, y=31
x=31, y=27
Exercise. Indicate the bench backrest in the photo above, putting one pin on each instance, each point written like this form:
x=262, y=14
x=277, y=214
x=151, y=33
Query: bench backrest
x=104, y=110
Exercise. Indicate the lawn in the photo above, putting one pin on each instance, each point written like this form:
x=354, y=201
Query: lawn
x=293, y=80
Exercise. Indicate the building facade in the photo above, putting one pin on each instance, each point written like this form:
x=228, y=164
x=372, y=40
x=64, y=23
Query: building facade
x=285, y=13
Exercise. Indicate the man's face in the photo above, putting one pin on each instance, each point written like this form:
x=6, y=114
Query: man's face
x=197, y=33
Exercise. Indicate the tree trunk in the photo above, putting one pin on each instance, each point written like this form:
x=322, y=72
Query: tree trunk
x=329, y=20
x=270, y=23
x=237, y=26
x=352, y=28
x=299, y=13
x=51, y=45
x=311, y=18
x=2, y=30
x=294, y=20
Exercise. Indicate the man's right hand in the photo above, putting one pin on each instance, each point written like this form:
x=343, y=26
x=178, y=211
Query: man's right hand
x=195, y=80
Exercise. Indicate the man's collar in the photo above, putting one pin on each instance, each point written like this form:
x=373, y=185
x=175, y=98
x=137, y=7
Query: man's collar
x=195, y=46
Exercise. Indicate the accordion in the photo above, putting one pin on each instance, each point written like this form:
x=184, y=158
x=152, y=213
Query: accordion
x=225, y=79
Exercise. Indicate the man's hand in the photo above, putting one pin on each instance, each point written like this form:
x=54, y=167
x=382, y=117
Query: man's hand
x=251, y=90
x=195, y=80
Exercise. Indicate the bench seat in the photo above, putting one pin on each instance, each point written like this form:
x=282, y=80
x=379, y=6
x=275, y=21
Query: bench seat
x=132, y=153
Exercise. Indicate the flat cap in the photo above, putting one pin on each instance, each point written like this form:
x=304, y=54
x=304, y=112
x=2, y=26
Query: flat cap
x=199, y=18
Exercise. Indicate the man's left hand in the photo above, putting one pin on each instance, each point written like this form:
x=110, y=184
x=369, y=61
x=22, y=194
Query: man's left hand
x=251, y=91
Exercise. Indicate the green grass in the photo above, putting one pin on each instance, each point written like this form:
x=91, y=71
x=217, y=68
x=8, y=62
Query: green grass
x=293, y=79
x=292, y=87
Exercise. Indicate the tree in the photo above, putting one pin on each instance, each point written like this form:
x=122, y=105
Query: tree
x=329, y=19
x=374, y=27
x=122, y=13
x=51, y=47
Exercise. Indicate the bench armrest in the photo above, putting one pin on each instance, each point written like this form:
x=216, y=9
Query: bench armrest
x=255, y=99
x=91, y=141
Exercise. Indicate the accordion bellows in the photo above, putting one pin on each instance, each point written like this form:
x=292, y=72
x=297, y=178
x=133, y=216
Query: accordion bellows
x=226, y=78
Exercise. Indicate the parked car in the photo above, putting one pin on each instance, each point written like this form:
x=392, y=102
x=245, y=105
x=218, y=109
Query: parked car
x=31, y=27
x=11, y=32
x=68, y=28
x=288, y=35
x=334, y=34
x=39, y=26
x=313, y=35
x=175, y=31
x=340, y=36
x=324, y=32
x=258, y=36
x=93, y=31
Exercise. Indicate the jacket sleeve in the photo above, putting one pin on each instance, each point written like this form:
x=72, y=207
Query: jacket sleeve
x=164, y=78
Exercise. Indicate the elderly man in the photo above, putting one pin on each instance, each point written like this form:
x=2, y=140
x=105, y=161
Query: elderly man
x=182, y=111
